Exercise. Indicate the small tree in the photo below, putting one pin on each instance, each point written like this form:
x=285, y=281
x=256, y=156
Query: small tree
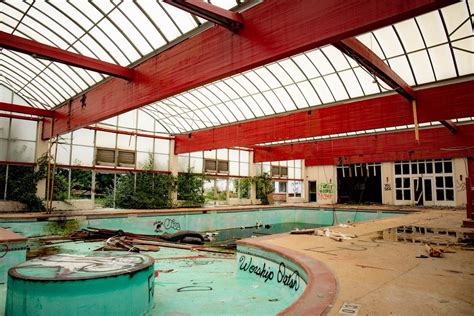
x=190, y=189
x=264, y=186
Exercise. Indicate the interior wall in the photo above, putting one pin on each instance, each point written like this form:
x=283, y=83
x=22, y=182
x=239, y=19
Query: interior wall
x=388, y=184
x=325, y=177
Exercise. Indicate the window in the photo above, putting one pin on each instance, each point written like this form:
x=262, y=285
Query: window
x=105, y=156
x=279, y=171
x=112, y=157
x=126, y=158
x=219, y=166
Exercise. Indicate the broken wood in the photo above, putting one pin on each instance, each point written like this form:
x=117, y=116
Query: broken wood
x=433, y=252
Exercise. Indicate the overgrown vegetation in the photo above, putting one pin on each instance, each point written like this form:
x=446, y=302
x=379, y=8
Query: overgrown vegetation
x=63, y=227
x=21, y=186
x=264, y=187
x=190, y=189
x=142, y=190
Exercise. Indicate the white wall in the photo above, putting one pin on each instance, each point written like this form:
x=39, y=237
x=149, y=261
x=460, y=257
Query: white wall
x=326, y=174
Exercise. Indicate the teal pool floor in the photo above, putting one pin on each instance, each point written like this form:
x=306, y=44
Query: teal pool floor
x=198, y=283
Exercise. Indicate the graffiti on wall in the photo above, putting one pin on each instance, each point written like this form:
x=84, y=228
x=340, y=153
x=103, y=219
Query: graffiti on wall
x=168, y=223
x=284, y=277
x=326, y=191
x=387, y=187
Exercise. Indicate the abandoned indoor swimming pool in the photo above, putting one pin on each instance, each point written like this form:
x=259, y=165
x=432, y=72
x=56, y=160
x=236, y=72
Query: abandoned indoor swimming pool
x=201, y=279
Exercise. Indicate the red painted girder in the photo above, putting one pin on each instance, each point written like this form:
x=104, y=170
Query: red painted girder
x=40, y=50
x=434, y=143
x=228, y=19
x=25, y=109
x=438, y=103
x=375, y=65
x=273, y=30
x=450, y=125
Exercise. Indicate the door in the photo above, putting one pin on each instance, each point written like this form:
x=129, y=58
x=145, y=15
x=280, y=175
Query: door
x=312, y=191
x=428, y=191
x=418, y=190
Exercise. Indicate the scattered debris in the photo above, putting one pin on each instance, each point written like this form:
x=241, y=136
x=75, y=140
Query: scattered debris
x=349, y=309
x=303, y=231
x=422, y=257
x=337, y=236
x=433, y=251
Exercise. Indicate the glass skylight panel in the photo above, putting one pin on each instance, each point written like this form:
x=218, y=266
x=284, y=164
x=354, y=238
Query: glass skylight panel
x=451, y=16
x=336, y=87
x=421, y=67
x=278, y=72
x=211, y=117
x=143, y=24
x=389, y=41
x=465, y=62
x=432, y=28
x=309, y=93
x=236, y=111
x=250, y=101
x=323, y=90
x=159, y=16
x=320, y=61
x=237, y=89
x=285, y=99
x=218, y=93
x=246, y=110
x=130, y=30
x=246, y=84
x=292, y=69
x=87, y=46
x=267, y=77
x=230, y=116
x=297, y=96
x=370, y=41
x=306, y=65
x=337, y=59
x=409, y=35
x=256, y=80
x=442, y=62
x=220, y=117
x=183, y=19
x=401, y=67
x=262, y=102
x=119, y=39
x=351, y=83
x=228, y=91
x=272, y=98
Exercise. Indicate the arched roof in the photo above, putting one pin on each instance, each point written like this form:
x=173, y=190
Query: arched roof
x=429, y=48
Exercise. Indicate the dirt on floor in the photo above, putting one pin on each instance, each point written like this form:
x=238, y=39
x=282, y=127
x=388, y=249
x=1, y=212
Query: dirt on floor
x=393, y=276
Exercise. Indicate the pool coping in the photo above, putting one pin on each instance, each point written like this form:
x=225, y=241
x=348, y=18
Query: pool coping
x=320, y=279
x=204, y=210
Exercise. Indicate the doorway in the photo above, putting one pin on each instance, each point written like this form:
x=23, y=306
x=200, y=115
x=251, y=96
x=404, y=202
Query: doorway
x=313, y=197
x=423, y=191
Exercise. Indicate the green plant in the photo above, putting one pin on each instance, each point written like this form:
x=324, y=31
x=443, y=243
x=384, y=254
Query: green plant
x=264, y=187
x=63, y=227
x=21, y=186
x=190, y=189
x=60, y=190
x=142, y=190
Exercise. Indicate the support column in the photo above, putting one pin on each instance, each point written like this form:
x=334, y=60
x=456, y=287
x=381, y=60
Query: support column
x=173, y=168
x=252, y=173
x=41, y=148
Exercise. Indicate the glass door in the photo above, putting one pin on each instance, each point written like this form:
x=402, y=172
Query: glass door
x=428, y=191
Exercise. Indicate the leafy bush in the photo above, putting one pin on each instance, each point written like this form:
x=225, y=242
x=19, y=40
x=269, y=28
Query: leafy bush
x=63, y=227
x=142, y=190
x=21, y=186
x=190, y=189
x=264, y=187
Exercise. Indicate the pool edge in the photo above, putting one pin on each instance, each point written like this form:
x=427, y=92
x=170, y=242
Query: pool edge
x=319, y=279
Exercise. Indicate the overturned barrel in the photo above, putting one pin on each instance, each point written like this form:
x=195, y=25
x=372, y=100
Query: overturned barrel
x=74, y=284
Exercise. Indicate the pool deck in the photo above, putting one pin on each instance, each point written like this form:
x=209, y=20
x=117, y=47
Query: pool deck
x=386, y=277
x=382, y=276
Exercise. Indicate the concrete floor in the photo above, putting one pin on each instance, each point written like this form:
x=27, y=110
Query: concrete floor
x=385, y=277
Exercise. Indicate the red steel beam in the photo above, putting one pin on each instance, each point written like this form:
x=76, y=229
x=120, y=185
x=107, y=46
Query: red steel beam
x=375, y=65
x=25, y=109
x=228, y=19
x=273, y=30
x=434, y=143
x=438, y=103
x=44, y=51
x=450, y=125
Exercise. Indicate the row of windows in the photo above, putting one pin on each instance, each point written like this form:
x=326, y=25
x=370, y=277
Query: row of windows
x=423, y=167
